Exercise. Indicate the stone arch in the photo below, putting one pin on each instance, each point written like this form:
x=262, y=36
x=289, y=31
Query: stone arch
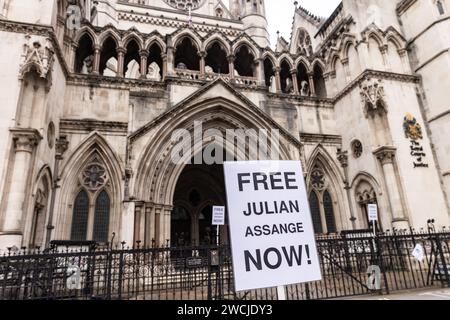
x=186, y=53
x=318, y=62
x=94, y=149
x=133, y=36
x=244, y=62
x=334, y=182
x=155, y=39
x=216, y=57
x=156, y=182
x=304, y=61
x=86, y=30
x=285, y=57
x=195, y=39
x=244, y=41
x=286, y=76
x=270, y=55
x=38, y=208
x=216, y=38
x=366, y=189
x=110, y=33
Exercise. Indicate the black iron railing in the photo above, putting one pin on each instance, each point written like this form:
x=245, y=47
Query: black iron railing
x=201, y=273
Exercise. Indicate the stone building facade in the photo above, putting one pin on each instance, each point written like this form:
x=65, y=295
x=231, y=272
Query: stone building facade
x=92, y=92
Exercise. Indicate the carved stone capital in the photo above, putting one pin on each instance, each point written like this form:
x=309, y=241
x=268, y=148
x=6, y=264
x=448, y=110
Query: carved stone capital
x=61, y=146
x=143, y=53
x=372, y=95
x=25, y=140
x=343, y=158
x=385, y=155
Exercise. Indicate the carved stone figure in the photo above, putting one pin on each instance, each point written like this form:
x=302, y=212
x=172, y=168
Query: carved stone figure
x=289, y=86
x=273, y=85
x=88, y=65
x=181, y=66
x=153, y=72
x=208, y=69
x=304, y=88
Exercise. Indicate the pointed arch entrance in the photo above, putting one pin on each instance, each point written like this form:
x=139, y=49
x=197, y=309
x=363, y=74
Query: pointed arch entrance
x=157, y=181
x=198, y=189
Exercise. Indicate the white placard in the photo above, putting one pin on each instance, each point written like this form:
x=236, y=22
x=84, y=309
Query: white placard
x=419, y=253
x=372, y=211
x=271, y=229
x=218, y=216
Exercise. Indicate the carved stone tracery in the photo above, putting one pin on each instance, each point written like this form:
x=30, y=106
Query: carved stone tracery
x=38, y=57
x=372, y=95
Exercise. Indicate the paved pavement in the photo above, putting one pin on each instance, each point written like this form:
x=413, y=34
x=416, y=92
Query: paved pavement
x=434, y=294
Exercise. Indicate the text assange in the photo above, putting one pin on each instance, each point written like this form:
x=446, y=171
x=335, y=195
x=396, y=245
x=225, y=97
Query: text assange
x=263, y=182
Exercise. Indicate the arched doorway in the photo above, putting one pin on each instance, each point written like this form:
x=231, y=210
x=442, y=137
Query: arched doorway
x=198, y=189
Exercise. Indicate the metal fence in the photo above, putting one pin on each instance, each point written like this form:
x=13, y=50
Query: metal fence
x=348, y=263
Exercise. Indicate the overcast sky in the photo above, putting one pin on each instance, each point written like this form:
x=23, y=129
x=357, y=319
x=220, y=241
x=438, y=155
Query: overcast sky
x=280, y=14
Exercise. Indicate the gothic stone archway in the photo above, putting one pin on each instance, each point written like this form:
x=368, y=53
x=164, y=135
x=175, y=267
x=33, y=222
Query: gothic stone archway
x=155, y=177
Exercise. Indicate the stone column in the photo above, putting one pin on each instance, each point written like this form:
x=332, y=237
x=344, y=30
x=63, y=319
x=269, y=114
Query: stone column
x=97, y=53
x=137, y=223
x=384, y=53
x=61, y=147
x=170, y=61
x=159, y=226
x=202, y=55
x=312, y=86
x=25, y=141
x=149, y=225
x=231, y=59
x=277, y=71
x=144, y=56
x=386, y=156
x=405, y=63
x=345, y=64
x=260, y=75
x=295, y=81
x=120, y=61
x=73, y=53
x=343, y=160
x=167, y=224
x=164, y=66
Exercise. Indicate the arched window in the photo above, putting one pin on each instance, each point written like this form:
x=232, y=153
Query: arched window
x=329, y=212
x=84, y=56
x=155, y=58
x=101, y=218
x=92, y=206
x=186, y=56
x=365, y=195
x=440, y=7
x=321, y=201
x=303, y=80
x=132, y=61
x=80, y=217
x=216, y=59
x=315, y=212
x=286, y=78
x=244, y=63
x=108, y=58
x=269, y=72
x=319, y=82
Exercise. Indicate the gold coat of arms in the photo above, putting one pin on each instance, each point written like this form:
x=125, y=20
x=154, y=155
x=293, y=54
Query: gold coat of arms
x=412, y=128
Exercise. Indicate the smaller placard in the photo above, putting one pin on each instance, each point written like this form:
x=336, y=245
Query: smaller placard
x=218, y=216
x=372, y=210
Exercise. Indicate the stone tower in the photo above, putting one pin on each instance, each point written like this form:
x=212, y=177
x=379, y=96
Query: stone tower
x=253, y=15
